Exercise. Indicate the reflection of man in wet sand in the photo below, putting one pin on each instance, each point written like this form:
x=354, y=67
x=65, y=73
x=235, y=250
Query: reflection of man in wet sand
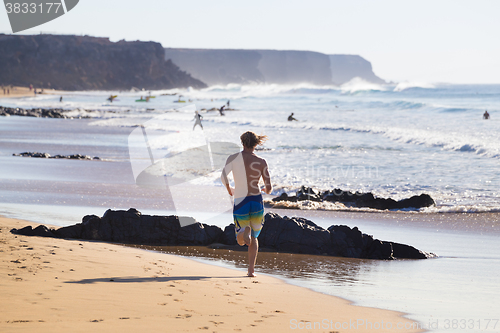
x=248, y=212
x=486, y=115
x=197, y=117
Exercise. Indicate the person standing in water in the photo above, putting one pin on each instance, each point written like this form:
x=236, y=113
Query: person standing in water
x=197, y=117
x=486, y=115
x=248, y=211
x=221, y=110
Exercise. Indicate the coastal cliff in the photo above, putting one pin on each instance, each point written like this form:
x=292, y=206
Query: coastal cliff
x=271, y=66
x=87, y=63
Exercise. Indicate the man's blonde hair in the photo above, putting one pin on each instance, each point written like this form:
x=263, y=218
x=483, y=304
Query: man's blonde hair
x=250, y=140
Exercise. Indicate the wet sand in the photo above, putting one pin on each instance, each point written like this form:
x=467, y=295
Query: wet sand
x=55, y=285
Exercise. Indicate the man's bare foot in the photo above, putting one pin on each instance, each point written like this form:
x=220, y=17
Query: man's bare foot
x=244, y=238
x=240, y=240
x=251, y=274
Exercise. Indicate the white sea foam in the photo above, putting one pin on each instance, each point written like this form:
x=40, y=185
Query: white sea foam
x=358, y=84
x=413, y=84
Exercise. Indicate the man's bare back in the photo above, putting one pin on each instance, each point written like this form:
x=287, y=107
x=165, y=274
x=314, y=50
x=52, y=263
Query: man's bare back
x=247, y=169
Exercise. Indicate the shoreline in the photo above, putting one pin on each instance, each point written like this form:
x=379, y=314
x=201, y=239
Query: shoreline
x=50, y=295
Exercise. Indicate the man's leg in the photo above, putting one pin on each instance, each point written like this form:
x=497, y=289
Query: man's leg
x=243, y=238
x=253, y=248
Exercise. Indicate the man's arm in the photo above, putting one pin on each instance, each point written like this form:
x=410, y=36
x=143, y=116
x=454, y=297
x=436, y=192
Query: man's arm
x=267, y=179
x=225, y=171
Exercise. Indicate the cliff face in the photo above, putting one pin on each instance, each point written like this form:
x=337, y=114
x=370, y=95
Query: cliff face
x=269, y=66
x=344, y=67
x=85, y=63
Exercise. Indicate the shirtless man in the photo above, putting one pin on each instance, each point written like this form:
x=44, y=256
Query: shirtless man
x=248, y=212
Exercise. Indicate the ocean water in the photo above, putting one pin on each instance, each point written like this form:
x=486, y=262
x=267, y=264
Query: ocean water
x=395, y=140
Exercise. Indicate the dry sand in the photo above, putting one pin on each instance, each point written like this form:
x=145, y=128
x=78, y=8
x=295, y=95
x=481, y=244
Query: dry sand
x=15, y=92
x=55, y=285
x=24, y=92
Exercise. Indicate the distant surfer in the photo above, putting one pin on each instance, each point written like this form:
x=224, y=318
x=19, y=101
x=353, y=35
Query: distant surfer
x=221, y=110
x=197, y=117
x=291, y=118
x=112, y=97
x=228, y=102
x=248, y=210
x=60, y=99
x=486, y=115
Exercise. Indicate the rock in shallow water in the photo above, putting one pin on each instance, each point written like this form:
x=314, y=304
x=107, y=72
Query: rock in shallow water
x=46, y=155
x=281, y=234
x=357, y=199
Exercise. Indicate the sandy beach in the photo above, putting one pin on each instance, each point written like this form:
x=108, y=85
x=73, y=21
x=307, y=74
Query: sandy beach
x=53, y=285
x=23, y=92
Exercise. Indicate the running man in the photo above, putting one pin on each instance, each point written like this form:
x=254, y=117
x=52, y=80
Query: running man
x=248, y=211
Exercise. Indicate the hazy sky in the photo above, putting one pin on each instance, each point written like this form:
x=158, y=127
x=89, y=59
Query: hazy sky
x=451, y=41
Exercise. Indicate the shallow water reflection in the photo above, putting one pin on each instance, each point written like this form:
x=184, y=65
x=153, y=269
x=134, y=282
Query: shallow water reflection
x=334, y=270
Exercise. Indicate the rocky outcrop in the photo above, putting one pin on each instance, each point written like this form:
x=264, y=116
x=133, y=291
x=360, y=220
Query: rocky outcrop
x=46, y=155
x=357, y=199
x=87, y=63
x=38, y=112
x=281, y=234
x=271, y=66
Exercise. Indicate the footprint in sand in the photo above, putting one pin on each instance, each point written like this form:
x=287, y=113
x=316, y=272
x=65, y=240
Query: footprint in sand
x=268, y=316
x=184, y=316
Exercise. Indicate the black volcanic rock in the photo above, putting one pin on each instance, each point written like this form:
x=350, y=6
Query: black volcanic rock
x=357, y=199
x=46, y=155
x=40, y=113
x=87, y=63
x=295, y=235
x=131, y=227
x=281, y=234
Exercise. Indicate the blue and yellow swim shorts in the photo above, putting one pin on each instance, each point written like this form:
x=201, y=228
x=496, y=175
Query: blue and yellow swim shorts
x=249, y=212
